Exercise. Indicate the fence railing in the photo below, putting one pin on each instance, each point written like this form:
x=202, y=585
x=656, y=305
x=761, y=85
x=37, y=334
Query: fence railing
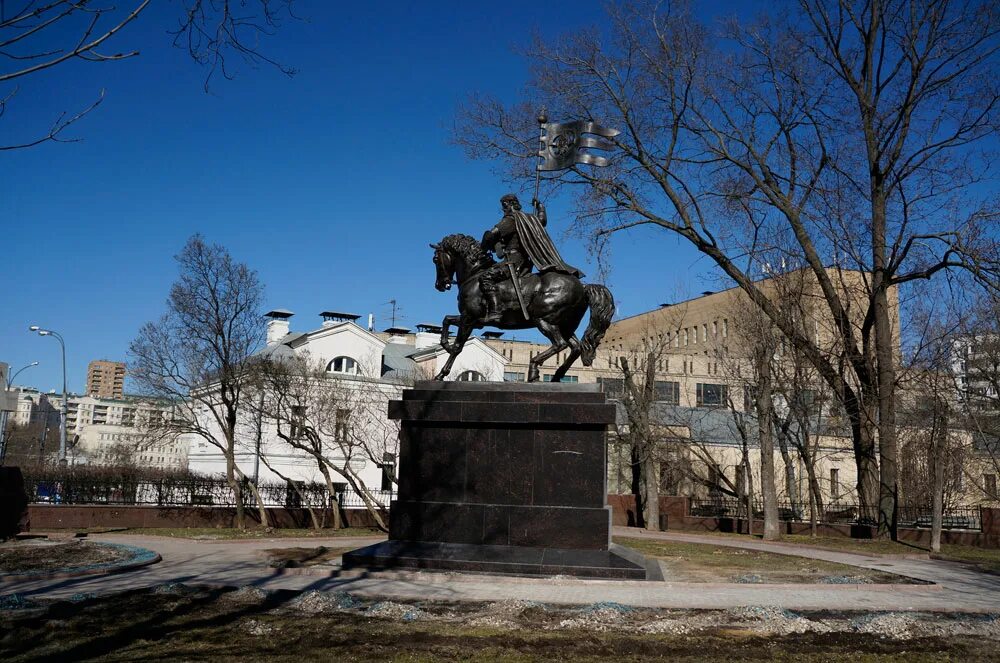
x=969, y=518
x=188, y=492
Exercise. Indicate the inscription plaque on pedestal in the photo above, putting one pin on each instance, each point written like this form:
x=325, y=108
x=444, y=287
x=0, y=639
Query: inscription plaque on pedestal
x=502, y=478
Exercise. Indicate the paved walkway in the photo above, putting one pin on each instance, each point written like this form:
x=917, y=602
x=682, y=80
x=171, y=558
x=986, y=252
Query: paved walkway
x=235, y=563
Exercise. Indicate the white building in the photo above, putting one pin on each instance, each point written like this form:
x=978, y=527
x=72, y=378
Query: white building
x=369, y=368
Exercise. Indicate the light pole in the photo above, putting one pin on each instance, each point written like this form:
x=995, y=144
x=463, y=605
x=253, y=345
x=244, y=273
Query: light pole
x=65, y=395
x=4, y=415
x=10, y=380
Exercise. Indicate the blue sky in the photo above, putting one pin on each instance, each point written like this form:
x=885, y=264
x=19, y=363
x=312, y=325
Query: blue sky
x=330, y=184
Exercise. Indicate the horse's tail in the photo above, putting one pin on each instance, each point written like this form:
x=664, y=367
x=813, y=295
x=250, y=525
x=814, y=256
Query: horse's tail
x=602, y=309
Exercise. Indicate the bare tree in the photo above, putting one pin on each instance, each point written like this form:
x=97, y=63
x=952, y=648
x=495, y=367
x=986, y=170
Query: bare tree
x=38, y=35
x=750, y=372
x=852, y=131
x=198, y=355
x=337, y=421
x=639, y=395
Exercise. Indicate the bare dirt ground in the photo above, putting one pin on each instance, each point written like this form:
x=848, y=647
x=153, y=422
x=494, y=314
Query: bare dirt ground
x=46, y=556
x=178, y=622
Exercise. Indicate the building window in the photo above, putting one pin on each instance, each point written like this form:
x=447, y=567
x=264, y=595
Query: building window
x=471, y=376
x=613, y=387
x=704, y=332
x=990, y=485
x=725, y=327
x=741, y=480
x=566, y=378
x=668, y=392
x=343, y=365
x=298, y=421
x=711, y=395
x=685, y=337
x=342, y=426
x=715, y=327
x=388, y=467
x=834, y=483
x=513, y=376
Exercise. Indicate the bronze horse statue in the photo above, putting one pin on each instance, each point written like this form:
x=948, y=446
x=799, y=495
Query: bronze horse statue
x=555, y=303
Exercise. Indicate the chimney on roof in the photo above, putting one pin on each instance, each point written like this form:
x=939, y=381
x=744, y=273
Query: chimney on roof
x=277, y=324
x=427, y=335
x=371, y=322
x=331, y=318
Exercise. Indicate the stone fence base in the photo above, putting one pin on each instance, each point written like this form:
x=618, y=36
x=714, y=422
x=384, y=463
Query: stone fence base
x=72, y=516
x=674, y=516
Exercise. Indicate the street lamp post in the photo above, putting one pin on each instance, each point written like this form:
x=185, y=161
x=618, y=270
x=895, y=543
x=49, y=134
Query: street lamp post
x=5, y=415
x=65, y=395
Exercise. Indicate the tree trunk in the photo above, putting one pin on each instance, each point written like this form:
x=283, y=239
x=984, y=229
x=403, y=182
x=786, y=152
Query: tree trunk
x=652, y=493
x=765, y=433
x=886, y=366
x=335, y=504
x=938, y=446
x=237, y=488
x=866, y=462
x=749, y=483
x=791, y=486
x=637, y=491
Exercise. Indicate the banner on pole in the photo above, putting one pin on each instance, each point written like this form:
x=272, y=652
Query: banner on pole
x=563, y=144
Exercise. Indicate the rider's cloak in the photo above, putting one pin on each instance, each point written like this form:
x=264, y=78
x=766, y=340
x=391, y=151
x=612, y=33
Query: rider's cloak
x=538, y=245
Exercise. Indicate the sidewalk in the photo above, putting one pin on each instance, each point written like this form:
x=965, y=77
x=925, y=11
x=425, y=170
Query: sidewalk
x=236, y=563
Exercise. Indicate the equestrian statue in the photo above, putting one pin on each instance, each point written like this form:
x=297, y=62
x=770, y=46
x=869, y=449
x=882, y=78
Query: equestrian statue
x=530, y=286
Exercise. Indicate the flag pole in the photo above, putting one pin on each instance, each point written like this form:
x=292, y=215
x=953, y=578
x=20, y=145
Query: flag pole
x=542, y=119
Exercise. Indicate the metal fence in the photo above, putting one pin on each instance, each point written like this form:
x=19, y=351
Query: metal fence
x=187, y=492
x=969, y=518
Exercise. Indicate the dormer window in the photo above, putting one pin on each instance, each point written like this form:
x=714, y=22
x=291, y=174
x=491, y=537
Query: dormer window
x=471, y=376
x=343, y=365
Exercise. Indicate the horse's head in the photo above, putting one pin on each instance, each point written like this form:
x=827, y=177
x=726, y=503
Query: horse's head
x=444, y=263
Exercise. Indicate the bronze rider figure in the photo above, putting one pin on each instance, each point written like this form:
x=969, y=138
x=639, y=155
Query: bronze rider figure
x=521, y=241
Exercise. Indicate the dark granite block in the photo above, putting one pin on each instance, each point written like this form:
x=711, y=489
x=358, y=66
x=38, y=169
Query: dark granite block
x=560, y=527
x=576, y=414
x=436, y=521
x=435, y=465
x=506, y=413
x=425, y=410
x=545, y=387
x=568, y=468
x=495, y=467
x=495, y=559
x=496, y=525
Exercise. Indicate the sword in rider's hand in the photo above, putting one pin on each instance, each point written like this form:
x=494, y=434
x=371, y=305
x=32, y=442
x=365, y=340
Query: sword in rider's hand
x=517, y=288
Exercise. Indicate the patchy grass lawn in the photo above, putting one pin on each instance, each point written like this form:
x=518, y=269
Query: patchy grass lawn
x=701, y=562
x=987, y=559
x=984, y=558
x=178, y=623
x=42, y=556
x=843, y=543
x=258, y=533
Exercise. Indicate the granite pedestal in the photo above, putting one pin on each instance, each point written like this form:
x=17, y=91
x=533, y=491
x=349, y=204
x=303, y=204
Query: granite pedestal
x=502, y=478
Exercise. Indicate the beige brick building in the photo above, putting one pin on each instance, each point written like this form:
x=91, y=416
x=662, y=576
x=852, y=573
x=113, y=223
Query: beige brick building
x=701, y=348
x=106, y=379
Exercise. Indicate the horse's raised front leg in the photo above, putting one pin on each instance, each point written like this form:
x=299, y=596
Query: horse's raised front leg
x=461, y=336
x=445, y=324
x=558, y=345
